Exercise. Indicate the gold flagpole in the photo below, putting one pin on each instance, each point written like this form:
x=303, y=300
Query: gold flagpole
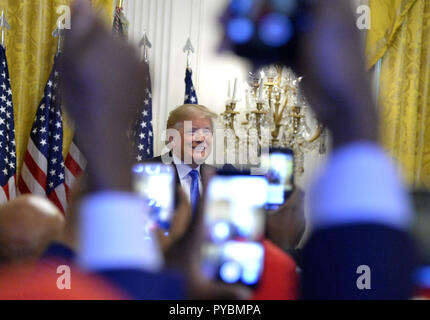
x=120, y=3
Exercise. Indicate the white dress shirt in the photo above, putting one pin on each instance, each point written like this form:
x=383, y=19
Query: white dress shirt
x=112, y=234
x=184, y=177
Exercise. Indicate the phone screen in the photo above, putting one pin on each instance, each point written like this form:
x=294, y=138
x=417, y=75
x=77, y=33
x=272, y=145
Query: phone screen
x=280, y=176
x=234, y=227
x=155, y=182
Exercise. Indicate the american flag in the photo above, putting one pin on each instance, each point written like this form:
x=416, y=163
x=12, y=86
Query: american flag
x=190, y=92
x=75, y=163
x=7, y=134
x=142, y=133
x=43, y=168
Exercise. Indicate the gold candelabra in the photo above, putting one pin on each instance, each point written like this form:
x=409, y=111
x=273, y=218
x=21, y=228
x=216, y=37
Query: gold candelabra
x=274, y=105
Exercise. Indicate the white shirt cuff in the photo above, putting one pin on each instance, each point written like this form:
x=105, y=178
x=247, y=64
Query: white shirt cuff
x=360, y=184
x=112, y=234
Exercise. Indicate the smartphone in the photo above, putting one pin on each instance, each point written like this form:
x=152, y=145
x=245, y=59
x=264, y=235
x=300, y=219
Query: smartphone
x=234, y=228
x=155, y=182
x=280, y=176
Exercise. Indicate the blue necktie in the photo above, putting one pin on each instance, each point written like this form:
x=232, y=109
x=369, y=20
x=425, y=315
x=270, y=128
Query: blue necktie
x=194, y=189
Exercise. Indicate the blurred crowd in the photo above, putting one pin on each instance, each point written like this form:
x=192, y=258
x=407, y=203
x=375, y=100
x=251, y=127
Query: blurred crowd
x=359, y=246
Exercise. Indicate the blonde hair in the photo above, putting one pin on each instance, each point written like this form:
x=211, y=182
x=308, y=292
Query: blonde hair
x=187, y=112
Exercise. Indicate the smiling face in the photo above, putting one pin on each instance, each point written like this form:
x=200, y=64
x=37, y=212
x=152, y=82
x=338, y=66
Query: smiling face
x=196, y=141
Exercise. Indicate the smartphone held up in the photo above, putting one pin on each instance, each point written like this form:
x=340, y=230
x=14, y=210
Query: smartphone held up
x=234, y=225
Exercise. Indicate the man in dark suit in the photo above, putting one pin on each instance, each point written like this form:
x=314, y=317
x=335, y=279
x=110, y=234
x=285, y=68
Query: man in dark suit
x=189, y=137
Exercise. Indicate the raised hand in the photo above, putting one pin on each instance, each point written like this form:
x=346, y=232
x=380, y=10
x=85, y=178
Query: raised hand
x=103, y=81
x=285, y=226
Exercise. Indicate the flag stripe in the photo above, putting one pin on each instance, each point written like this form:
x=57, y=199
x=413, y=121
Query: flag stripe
x=35, y=171
x=22, y=186
x=31, y=184
x=73, y=166
x=37, y=155
x=3, y=196
x=12, y=187
x=67, y=191
x=70, y=178
x=5, y=192
x=54, y=198
x=77, y=156
x=60, y=191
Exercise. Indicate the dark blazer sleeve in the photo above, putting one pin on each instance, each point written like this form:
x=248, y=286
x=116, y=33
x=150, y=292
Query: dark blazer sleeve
x=332, y=255
x=141, y=285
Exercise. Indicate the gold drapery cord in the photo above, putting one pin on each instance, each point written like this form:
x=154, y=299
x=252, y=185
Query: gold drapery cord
x=30, y=50
x=400, y=35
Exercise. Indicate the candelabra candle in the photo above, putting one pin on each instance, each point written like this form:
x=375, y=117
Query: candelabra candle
x=234, y=90
x=247, y=103
x=261, y=91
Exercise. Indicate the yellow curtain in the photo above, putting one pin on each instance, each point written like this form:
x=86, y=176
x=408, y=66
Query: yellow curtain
x=400, y=36
x=30, y=50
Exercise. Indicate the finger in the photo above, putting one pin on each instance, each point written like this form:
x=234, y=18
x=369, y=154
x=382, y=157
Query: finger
x=163, y=240
x=86, y=30
x=182, y=216
x=295, y=201
x=83, y=16
x=83, y=24
x=183, y=199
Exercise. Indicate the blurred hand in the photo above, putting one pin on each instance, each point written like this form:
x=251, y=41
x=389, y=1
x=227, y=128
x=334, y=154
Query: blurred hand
x=180, y=222
x=285, y=226
x=185, y=255
x=103, y=80
x=71, y=230
x=336, y=83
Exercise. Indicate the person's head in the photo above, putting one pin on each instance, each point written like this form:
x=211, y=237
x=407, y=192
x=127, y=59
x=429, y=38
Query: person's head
x=192, y=142
x=27, y=225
